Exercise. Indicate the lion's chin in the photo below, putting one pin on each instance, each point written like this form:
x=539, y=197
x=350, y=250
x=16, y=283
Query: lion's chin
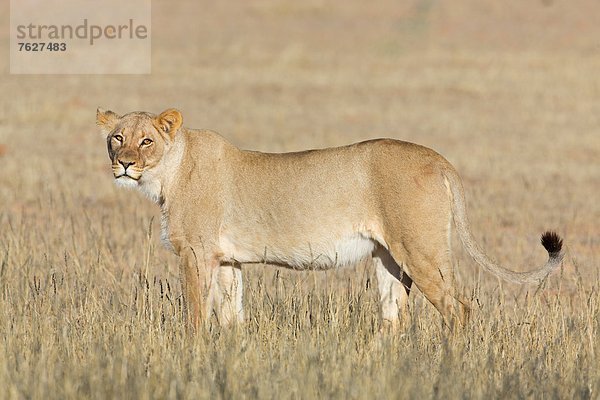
x=126, y=181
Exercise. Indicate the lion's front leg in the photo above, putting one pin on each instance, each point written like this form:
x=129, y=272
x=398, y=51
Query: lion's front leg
x=196, y=272
x=225, y=295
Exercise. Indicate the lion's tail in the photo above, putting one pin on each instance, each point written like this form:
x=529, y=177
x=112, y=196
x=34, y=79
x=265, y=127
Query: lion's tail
x=550, y=240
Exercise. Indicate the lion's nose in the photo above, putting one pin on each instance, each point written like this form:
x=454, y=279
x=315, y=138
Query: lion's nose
x=126, y=164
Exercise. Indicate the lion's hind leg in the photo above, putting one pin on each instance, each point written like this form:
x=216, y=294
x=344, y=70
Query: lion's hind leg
x=394, y=288
x=431, y=269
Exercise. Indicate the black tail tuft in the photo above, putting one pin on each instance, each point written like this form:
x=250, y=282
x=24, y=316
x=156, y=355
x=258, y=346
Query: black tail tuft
x=552, y=243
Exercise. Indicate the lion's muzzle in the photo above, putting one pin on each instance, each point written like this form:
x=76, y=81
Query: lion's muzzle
x=126, y=172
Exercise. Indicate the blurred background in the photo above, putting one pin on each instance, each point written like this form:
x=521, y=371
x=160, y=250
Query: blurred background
x=508, y=91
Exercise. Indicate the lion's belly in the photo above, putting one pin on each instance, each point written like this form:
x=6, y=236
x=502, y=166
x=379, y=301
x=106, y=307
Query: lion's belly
x=310, y=253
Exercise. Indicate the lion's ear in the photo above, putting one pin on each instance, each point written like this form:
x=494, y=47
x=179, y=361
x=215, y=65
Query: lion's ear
x=106, y=120
x=169, y=122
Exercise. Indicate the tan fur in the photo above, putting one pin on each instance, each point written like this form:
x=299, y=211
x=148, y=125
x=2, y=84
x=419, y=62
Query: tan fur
x=222, y=206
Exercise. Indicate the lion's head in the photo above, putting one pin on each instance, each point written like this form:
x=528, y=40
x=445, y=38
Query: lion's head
x=137, y=141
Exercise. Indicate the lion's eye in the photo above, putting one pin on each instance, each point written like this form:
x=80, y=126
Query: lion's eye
x=146, y=142
x=118, y=138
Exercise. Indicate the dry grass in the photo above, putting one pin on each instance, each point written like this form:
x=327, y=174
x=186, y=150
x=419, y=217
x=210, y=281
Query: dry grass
x=90, y=303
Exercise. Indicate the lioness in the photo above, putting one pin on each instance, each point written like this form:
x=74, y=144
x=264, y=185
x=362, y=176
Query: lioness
x=222, y=206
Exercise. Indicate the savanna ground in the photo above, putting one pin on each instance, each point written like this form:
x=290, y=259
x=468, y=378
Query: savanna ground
x=509, y=92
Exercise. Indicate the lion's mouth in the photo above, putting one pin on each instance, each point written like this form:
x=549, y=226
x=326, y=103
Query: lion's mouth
x=127, y=176
x=126, y=180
